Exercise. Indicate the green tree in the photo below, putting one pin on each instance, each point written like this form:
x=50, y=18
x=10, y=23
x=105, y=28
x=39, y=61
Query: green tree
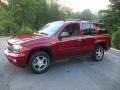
x=6, y=23
x=20, y=14
x=116, y=39
x=85, y=15
x=111, y=16
x=66, y=13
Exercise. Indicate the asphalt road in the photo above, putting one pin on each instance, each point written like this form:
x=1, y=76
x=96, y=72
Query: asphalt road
x=76, y=74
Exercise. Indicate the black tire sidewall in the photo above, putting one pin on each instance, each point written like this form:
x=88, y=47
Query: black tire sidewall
x=94, y=53
x=33, y=56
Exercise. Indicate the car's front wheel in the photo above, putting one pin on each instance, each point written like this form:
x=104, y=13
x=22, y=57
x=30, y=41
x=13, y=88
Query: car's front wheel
x=39, y=62
x=98, y=53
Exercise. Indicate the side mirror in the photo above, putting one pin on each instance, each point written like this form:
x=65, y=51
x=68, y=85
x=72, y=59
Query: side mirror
x=64, y=34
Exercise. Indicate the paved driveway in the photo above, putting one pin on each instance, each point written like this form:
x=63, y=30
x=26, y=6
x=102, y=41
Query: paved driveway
x=75, y=74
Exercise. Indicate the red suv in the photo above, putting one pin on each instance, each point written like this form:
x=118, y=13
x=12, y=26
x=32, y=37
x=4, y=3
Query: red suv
x=57, y=40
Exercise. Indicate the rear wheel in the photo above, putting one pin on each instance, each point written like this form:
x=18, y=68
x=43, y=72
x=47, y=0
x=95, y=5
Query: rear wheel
x=98, y=53
x=39, y=62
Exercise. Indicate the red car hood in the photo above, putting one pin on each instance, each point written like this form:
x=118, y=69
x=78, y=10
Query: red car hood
x=25, y=38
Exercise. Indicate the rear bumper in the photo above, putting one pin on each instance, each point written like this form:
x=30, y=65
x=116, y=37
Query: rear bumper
x=17, y=59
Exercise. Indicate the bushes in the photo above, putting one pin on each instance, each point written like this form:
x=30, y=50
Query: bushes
x=116, y=39
x=25, y=30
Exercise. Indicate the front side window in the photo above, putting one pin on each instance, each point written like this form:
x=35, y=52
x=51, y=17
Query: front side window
x=72, y=29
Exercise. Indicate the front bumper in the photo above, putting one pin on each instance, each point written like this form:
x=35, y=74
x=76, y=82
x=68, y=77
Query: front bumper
x=17, y=59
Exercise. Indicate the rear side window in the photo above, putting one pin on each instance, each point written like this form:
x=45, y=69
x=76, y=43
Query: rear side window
x=101, y=28
x=88, y=29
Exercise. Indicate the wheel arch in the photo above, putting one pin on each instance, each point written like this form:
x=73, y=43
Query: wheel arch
x=103, y=44
x=47, y=50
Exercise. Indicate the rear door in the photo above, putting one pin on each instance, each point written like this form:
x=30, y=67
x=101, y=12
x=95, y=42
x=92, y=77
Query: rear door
x=87, y=37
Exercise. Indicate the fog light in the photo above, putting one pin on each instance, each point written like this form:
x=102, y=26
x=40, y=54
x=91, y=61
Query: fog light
x=14, y=60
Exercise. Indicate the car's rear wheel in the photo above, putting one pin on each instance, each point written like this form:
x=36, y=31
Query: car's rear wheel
x=39, y=62
x=98, y=53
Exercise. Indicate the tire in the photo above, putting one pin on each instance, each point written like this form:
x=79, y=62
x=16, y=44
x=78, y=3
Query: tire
x=39, y=62
x=98, y=53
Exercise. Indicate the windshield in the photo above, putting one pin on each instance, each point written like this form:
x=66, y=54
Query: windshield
x=51, y=28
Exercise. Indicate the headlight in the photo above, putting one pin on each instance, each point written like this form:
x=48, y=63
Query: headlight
x=16, y=49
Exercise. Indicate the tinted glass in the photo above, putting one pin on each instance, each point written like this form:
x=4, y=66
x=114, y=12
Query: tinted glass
x=72, y=29
x=101, y=28
x=88, y=29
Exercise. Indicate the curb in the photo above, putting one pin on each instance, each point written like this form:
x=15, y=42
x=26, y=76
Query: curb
x=115, y=49
x=3, y=37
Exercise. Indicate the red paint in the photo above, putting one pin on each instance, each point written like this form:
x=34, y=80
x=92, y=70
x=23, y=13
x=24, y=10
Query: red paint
x=73, y=46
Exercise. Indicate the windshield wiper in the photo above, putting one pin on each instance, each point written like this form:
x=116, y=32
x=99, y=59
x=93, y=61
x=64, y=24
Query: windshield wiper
x=43, y=33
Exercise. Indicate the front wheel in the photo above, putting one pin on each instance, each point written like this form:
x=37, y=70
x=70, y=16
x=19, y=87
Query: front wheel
x=98, y=54
x=39, y=62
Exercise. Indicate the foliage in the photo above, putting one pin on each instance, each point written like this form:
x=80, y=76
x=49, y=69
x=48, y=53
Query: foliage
x=67, y=13
x=25, y=30
x=85, y=15
x=111, y=19
x=6, y=23
x=31, y=14
x=116, y=39
x=27, y=16
x=111, y=16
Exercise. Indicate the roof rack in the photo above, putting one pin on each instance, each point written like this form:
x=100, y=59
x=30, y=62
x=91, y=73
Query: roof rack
x=97, y=22
x=72, y=20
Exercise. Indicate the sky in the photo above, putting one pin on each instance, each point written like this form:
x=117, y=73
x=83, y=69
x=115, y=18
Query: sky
x=80, y=5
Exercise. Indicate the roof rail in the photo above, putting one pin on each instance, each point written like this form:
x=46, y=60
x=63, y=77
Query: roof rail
x=72, y=20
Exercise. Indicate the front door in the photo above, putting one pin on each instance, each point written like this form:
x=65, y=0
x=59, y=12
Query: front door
x=68, y=45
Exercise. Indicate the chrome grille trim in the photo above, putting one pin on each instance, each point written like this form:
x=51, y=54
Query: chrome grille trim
x=9, y=46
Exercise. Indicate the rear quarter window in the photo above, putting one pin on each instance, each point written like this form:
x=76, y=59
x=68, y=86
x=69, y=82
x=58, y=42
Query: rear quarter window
x=101, y=28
